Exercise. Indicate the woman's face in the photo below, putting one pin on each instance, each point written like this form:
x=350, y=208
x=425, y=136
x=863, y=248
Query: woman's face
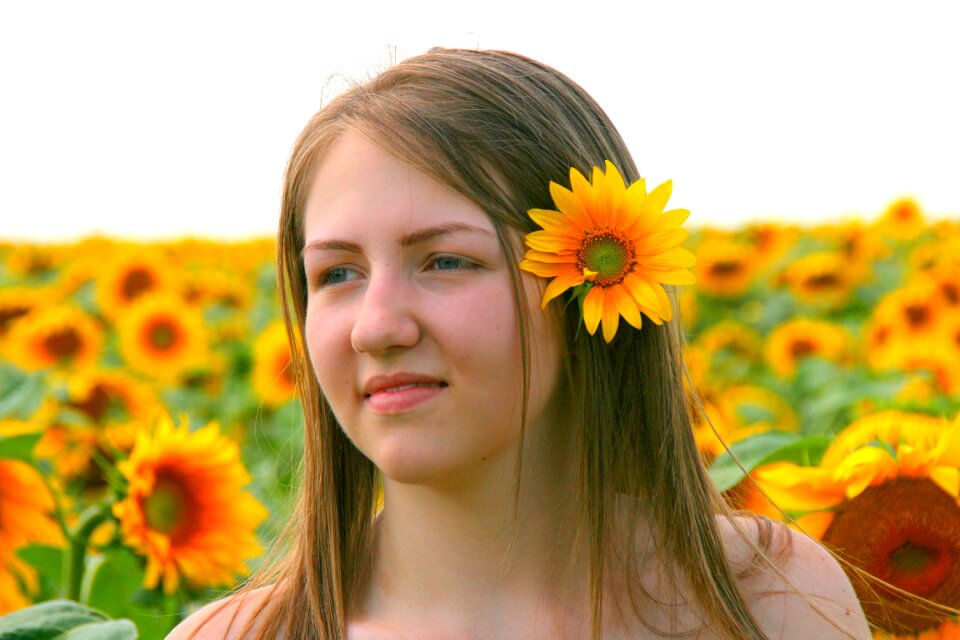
x=407, y=285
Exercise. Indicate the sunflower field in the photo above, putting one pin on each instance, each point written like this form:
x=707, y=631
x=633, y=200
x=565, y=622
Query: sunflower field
x=149, y=436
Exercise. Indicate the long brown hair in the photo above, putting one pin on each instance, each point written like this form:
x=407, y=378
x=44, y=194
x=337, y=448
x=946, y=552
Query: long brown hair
x=498, y=127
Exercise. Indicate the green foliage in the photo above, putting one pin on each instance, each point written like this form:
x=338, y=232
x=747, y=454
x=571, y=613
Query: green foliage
x=110, y=583
x=20, y=393
x=761, y=449
x=63, y=620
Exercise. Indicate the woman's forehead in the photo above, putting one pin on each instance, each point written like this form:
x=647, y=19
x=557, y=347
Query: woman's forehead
x=357, y=184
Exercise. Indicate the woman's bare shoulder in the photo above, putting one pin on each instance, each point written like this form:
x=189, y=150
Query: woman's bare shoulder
x=222, y=619
x=805, y=594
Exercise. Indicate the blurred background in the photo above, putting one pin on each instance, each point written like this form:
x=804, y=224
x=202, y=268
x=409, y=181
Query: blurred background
x=150, y=434
x=154, y=120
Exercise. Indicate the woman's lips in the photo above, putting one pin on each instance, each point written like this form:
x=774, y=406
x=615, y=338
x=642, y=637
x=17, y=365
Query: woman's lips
x=403, y=398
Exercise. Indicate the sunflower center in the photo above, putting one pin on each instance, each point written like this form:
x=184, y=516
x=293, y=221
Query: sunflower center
x=285, y=371
x=8, y=315
x=608, y=253
x=823, y=281
x=95, y=404
x=162, y=334
x=726, y=267
x=951, y=292
x=918, y=315
x=63, y=344
x=166, y=506
x=801, y=348
x=137, y=281
x=906, y=532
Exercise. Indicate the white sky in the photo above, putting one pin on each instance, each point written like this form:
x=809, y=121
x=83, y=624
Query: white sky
x=170, y=118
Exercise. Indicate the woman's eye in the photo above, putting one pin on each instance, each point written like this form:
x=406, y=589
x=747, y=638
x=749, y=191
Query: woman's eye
x=445, y=263
x=335, y=275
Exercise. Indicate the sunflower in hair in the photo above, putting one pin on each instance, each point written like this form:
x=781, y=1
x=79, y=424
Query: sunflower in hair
x=614, y=245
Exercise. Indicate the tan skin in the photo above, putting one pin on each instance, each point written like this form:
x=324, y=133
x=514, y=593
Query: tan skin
x=447, y=564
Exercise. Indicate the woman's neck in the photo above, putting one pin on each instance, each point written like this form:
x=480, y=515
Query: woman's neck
x=458, y=554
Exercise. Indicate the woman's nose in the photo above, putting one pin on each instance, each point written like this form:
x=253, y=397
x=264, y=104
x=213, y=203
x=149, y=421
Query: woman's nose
x=385, y=317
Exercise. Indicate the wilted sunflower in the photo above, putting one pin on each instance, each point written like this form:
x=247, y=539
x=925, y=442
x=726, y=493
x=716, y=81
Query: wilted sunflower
x=272, y=368
x=162, y=336
x=619, y=240
x=25, y=518
x=186, y=510
x=800, y=338
x=886, y=494
x=725, y=268
x=822, y=278
x=55, y=337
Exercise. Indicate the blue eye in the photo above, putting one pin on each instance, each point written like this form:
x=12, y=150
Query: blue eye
x=335, y=275
x=447, y=263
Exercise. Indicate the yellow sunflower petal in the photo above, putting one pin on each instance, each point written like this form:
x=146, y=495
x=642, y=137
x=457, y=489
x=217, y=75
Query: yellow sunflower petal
x=815, y=524
x=793, y=487
x=551, y=242
x=551, y=220
x=641, y=291
x=672, y=218
x=558, y=285
x=673, y=259
x=570, y=205
x=583, y=191
x=610, y=314
x=626, y=305
x=551, y=258
x=593, y=308
x=547, y=270
x=864, y=467
x=948, y=479
x=678, y=277
x=656, y=200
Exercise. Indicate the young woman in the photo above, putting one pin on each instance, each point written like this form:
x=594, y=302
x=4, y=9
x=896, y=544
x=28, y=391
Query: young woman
x=456, y=325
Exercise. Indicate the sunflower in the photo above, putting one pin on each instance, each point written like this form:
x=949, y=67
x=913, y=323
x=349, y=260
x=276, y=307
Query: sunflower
x=110, y=396
x=272, y=369
x=29, y=261
x=800, y=338
x=56, y=336
x=912, y=311
x=822, y=278
x=130, y=275
x=186, y=510
x=886, y=494
x=903, y=219
x=25, y=518
x=616, y=240
x=722, y=419
x=226, y=289
x=162, y=336
x=725, y=267
x=770, y=240
x=17, y=302
x=740, y=340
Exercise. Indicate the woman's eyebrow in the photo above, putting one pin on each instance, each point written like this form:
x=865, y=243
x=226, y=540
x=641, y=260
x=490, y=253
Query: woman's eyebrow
x=410, y=239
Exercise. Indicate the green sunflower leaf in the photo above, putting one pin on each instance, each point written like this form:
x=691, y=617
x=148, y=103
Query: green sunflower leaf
x=765, y=448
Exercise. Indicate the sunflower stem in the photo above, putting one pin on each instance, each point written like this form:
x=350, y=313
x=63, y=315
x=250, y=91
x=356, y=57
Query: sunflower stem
x=74, y=559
